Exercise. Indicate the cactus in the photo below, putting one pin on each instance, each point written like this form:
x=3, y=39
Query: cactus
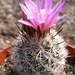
x=39, y=49
x=39, y=57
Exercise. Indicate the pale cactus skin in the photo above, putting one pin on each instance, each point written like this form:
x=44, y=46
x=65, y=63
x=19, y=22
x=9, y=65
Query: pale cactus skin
x=45, y=56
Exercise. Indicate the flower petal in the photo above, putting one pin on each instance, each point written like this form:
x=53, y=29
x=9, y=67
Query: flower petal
x=58, y=7
x=42, y=25
x=48, y=5
x=43, y=4
x=33, y=22
x=38, y=5
x=55, y=12
x=31, y=6
x=26, y=23
x=24, y=9
x=59, y=18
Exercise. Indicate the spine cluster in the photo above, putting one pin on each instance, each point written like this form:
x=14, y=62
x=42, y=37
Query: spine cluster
x=43, y=57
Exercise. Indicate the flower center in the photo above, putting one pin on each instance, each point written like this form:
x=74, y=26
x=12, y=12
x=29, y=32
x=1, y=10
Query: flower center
x=42, y=11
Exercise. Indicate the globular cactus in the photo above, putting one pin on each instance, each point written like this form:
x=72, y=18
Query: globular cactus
x=41, y=57
x=39, y=50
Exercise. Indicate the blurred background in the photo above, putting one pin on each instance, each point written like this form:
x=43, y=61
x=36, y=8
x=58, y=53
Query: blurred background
x=10, y=13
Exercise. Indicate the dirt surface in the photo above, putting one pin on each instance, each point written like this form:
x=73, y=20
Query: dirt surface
x=10, y=13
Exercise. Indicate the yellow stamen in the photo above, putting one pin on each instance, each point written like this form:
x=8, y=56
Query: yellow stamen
x=42, y=11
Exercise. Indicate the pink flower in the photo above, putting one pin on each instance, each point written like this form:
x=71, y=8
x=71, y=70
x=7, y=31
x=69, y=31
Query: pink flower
x=40, y=14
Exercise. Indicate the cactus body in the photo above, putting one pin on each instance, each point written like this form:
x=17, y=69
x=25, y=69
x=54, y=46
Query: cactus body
x=45, y=56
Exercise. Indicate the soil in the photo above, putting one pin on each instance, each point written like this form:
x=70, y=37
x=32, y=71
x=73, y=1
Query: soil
x=10, y=13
